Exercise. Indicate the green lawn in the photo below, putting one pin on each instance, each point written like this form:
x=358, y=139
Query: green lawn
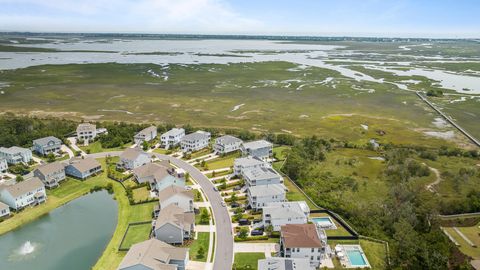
x=141, y=194
x=340, y=231
x=200, y=153
x=197, y=197
x=161, y=151
x=280, y=152
x=222, y=162
x=247, y=261
x=201, y=241
x=96, y=147
x=473, y=234
x=294, y=193
x=374, y=251
x=197, y=216
x=136, y=234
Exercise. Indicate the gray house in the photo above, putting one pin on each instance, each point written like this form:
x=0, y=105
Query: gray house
x=15, y=155
x=4, y=210
x=83, y=168
x=241, y=165
x=133, y=158
x=260, y=149
x=86, y=131
x=227, y=144
x=262, y=176
x=51, y=174
x=173, y=225
x=145, y=135
x=154, y=254
x=260, y=196
x=195, y=141
x=47, y=145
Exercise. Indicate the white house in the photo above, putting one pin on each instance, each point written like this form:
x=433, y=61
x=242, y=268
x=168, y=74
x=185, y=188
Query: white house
x=259, y=196
x=86, y=132
x=3, y=165
x=243, y=164
x=278, y=214
x=145, y=135
x=195, y=141
x=261, y=149
x=133, y=158
x=15, y=155
x=24, y=193
x=154, y=254
x=47, y=145
x=4, y=210
x=227, y=144
x=82, y=168
x=304, y=241
x=177, y=196
x=277, y=263
x=51, y=174
x=173, y=225
x=262, y=176
x=172, y=137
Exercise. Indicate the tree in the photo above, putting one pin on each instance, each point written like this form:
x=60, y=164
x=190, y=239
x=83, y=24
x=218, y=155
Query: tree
x=145, y=146
x=233, y=197
x=200, y=252
x=19, y=178
x=204, y=216
x=243, y=233
x=50, y=158
x=269, y=230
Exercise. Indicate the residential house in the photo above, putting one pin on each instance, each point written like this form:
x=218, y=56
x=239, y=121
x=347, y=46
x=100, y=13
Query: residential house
x=15, y=155
x=262, y=176
x=133, y=158
x=82, y=168
x=277, y=263
x=195, y=141
x=243, y=164
x=278, y=214
x=172, y=137
x=27, y=192
x=47, y=145
x=145, y=135
x=154, y=254
x=304, y=241
x=51, y=174
x=261, y=149
x=86, y=132
x=160, y=175
x=227, y=144
x=173, y=225
x=260, y=196
x=177, y=196
x=3, y=165
x=4, y=210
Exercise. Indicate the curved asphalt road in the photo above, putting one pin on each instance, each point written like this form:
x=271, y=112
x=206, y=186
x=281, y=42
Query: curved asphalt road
x=223, y=225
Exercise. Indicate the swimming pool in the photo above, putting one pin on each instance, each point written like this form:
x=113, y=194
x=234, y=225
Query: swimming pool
x=324, y=222
x=356, y=258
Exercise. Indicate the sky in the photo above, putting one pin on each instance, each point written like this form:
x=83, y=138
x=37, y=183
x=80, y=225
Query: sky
x=385, y=18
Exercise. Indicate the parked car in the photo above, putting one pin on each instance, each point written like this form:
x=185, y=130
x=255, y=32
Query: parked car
x=215, y=189
x=235, y=205
x=243, y=221
x=256, y=233
x=257, y=220
x=224, y=204
x=236, y=188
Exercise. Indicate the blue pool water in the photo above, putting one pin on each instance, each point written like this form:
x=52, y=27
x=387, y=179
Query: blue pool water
x=323, y=221
x=356, y=258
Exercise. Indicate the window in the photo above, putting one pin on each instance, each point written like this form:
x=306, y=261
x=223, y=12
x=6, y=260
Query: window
x=313, y=250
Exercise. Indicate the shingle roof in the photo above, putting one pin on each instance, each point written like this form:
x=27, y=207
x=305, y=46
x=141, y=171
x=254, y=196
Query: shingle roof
x=174, y=190
x=132, y=153
x=23, y=187
x=154, y=254
x=148, y=169
x=13, y=150
x=227, y=139
x=46, y=140
x=51, y=168
x=3, y=206
x=85, y=164
x=248, y=161
x=300, y=235
x=147, y=131
x=175, y=215
x=257, y=144
x=197, y=135
x=267, y=190
x=261, y=173
x=86, y=127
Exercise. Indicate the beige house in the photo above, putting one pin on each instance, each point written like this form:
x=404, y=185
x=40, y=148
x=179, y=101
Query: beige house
x=178, y=196
x=86, y=132
x=133, y=158
x=173, y=225
x=154, y=254
x=82, y=168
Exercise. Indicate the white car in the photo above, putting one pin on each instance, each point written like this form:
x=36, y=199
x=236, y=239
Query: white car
x=224, y=204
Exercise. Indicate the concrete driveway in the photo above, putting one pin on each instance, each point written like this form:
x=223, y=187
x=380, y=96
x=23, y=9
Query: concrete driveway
x=223, y=226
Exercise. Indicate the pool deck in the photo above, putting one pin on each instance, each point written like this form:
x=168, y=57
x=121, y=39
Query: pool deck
x=331, y=226
x=345, y=260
